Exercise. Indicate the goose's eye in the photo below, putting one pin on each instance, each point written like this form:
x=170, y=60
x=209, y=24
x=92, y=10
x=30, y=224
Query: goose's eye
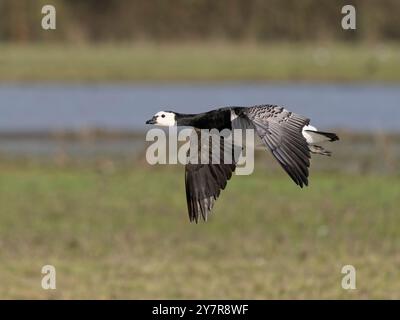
x=163, y=116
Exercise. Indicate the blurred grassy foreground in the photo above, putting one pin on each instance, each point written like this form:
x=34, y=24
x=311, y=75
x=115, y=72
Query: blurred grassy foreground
x=199, y=62
x=124, y=233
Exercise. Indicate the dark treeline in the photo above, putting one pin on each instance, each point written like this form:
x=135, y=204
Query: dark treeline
x=176, y=20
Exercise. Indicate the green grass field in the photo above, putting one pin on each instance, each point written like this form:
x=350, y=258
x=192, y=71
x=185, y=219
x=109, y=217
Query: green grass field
x=199, y=62
x=125, y=234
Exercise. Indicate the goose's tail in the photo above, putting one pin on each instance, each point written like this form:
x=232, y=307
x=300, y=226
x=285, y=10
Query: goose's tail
x=314, y=137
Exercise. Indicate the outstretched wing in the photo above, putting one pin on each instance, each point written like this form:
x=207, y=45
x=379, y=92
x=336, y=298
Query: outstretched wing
x=203, y=181
x=281, y=131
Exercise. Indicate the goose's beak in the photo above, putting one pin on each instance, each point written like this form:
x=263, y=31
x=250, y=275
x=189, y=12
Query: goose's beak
x=152, y=120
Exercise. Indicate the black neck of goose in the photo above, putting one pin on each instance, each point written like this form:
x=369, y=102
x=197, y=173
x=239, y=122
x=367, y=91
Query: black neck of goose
x=186, y=119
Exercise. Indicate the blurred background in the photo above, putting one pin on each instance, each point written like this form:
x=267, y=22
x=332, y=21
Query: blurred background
x=76, y=191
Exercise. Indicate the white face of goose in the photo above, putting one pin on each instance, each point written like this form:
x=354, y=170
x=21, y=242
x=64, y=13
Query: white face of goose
x=163, y=118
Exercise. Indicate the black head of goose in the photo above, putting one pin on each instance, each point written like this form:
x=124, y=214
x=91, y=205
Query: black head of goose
x=289, y=137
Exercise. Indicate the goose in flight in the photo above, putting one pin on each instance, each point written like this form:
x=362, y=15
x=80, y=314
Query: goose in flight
x=289, y=137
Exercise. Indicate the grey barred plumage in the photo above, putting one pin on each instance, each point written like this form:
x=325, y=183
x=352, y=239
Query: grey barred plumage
x=281, y=131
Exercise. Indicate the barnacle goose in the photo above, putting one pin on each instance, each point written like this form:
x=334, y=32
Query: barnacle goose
x=289, y=136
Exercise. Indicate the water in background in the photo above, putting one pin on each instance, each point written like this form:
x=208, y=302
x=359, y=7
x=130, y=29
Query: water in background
x=121, y=107
x=30, y=108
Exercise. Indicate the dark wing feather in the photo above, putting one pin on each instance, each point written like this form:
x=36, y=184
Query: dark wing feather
x=281, y=131
x=204, y=183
